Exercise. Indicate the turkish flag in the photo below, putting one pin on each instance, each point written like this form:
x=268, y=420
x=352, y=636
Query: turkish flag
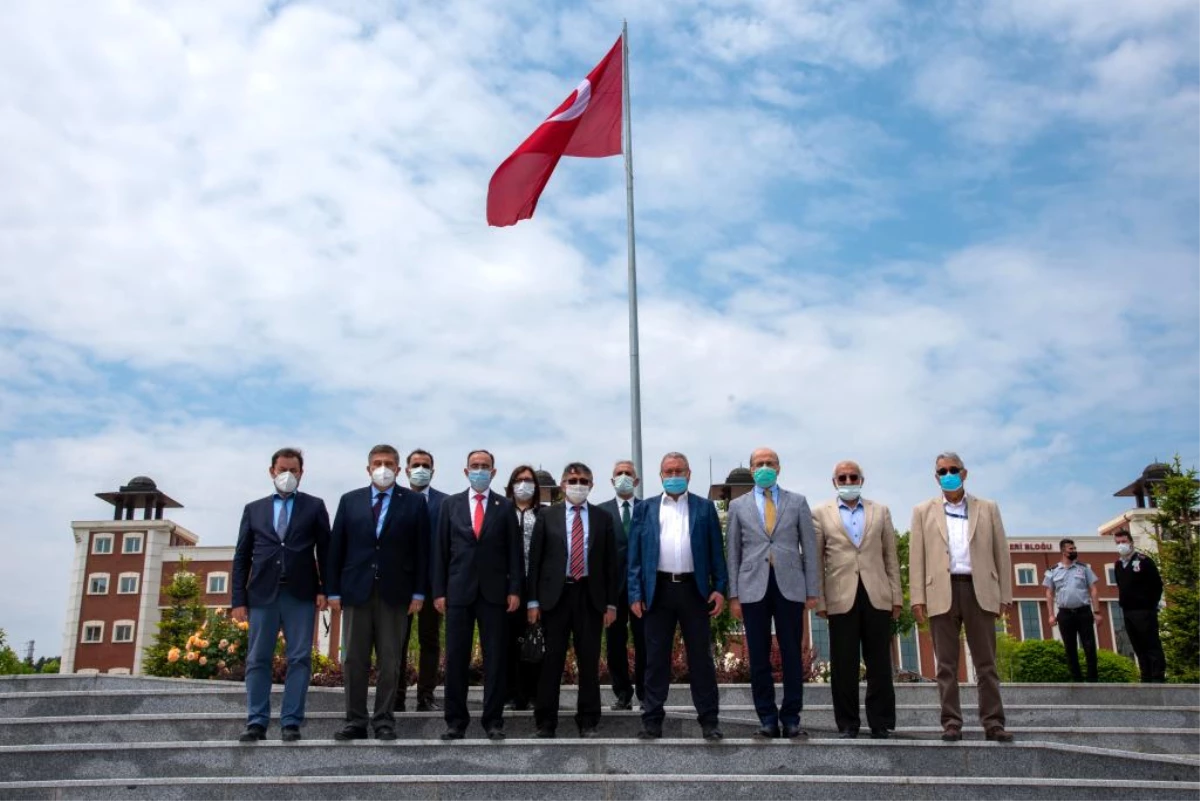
x=587, y=124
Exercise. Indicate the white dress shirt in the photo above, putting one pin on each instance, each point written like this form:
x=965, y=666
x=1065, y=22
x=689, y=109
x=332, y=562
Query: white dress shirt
x=675, y=539
x=958, y=533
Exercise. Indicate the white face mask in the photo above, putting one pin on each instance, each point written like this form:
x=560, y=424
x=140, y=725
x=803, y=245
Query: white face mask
x=623, y=484
x=286, y=482
x=577, y=493
x=420, y=477
x=1124, y=548
x=523, y=490
x=383, y=477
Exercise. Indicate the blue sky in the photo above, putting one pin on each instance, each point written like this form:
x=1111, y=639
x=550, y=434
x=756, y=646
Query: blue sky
x=872, y=230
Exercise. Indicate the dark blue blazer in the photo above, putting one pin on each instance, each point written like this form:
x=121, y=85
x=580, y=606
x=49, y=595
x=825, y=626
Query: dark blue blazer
x=435, y=506
x=260, y=559
x=466, y=567
x=708, y=549
x=399, y=556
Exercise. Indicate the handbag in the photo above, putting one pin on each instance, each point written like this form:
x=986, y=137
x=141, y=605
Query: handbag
x=533, y=643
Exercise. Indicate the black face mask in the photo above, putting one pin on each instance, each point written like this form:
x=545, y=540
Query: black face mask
x=1072, y=556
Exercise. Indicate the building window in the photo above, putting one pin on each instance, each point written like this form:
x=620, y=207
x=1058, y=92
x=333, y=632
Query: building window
x=1110, y=575
x=123, y=631
x=1026, y=575
x=127, y=584
x=98, y=584
x=102, y=543
x=131, y=543
x=819, y=630
x=217, y=583
x=1031, y=620
x=909, y=659
x=93, y=631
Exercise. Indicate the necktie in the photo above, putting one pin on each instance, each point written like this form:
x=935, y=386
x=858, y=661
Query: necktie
x=477, y=521
x=577, y=544
x=625, y=516
x=281, y=522
x=769, y=512
x=377, y=509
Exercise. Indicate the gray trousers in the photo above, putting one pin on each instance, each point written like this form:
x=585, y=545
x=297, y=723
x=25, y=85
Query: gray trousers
x=382, y=628
x=980, y=626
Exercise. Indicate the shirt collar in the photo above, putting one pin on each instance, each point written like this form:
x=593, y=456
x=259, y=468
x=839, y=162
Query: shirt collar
x=774, y=488
x=955, y=506
x=858, y=504
x=681, y=501
x=279, y=497
x=376, y=491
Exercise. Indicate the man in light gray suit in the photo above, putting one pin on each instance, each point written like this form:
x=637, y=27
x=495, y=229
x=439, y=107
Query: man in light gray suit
x=772, y=557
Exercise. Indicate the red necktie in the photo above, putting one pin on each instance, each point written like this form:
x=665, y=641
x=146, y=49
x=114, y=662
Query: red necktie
x=577, y=544
x=477, y=522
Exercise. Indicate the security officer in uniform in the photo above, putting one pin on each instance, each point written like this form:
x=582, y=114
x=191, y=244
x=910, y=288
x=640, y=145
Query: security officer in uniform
x=1075, y=607
x=1140, y=587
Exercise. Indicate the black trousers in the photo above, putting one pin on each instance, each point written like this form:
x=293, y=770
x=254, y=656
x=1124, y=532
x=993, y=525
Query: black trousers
x=521, y=680
x=1142, y=627
x=617, y=647
x=679, y=605
x=574, y=622
x=1079, y=625
x=869, y=630
x=493, y=640
x=428, y=625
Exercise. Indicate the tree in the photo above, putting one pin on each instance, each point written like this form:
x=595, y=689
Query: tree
x=1176, y=535
x=179, y=622
x=903, y=624
x=10, y=663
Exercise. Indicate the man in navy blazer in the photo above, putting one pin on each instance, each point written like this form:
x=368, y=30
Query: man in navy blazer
x=282, y=542
x=378, y=575
x=477, y=575
x=677, y=578
x=419, y=469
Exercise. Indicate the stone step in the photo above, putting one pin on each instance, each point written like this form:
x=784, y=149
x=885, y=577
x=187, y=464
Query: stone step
x=551, y=759
x=1139, y=729
x=668, y=787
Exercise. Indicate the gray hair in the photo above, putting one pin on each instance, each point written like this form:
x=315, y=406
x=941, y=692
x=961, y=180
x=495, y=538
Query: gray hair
x=674, y=455
x=857, y=467
x=620, y=462
x=949, y=456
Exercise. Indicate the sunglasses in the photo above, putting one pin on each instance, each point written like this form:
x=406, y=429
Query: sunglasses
x=847, y=478
x=576, y=482
x=954, y=471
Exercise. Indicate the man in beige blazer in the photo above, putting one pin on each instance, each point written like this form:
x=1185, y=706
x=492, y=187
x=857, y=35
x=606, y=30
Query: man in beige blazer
x=960, y=578
x=860, y=595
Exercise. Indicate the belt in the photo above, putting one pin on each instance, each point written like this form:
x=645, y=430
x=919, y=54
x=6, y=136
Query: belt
x=1075, y=608
x=676, y=578
x=570, y=581
x=960, y=577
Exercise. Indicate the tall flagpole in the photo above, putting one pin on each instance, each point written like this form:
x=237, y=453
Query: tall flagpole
x=635, y=378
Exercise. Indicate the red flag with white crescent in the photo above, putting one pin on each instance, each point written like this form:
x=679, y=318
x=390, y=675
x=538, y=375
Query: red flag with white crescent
x=587, y=124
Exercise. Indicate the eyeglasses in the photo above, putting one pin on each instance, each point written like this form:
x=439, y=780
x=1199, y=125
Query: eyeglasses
x=954, y=471
x=578, y=482
x=847, y=478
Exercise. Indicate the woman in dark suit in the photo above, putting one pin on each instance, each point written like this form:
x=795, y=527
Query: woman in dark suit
x=522, y=490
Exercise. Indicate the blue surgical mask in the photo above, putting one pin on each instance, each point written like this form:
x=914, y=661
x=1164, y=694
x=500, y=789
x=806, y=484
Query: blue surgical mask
x=623, y=484
x=849, y=492
x=420, y=477
x=951, y=482
x=765, y=477
x=675, y=485
x=480, y=479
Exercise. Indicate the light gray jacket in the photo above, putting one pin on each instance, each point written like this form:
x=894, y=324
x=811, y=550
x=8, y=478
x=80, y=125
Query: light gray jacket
x=792, y=547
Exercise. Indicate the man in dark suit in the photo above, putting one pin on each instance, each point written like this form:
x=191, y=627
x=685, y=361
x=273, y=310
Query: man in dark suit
x=419, y=468
x=625, y=481
x=379, y=575
x=477, y=576
x=677, y=578
x=282, y=541
x=572, y=587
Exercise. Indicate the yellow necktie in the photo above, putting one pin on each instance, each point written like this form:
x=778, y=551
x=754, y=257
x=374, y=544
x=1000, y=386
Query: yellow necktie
x=769, y=512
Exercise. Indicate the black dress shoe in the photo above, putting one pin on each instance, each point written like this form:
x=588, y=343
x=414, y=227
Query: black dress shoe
x=712, y=733
x=496, y=734
x=427, y=703
x=453, y=734
x=766, y=732
x=588, y=732
x=347, y=733
x=386, y=733
x=291, y=734
x=622, y=703
x=951, y=734
x=848, y=734
x=880, y=734
x=253, y=734
x=999, y=735
x=545, y=733
x=794, y=732
x=650, y=733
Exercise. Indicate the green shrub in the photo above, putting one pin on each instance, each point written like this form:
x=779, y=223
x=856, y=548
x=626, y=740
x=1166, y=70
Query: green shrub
x=1112, y=668
x=1039, y=661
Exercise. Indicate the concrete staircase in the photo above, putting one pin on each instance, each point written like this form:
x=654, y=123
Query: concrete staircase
x=134, y=737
